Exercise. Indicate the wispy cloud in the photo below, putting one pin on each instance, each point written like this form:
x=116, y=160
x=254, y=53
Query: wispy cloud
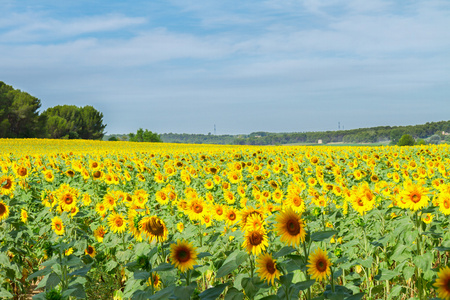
x=260, y=64
x=37, y=28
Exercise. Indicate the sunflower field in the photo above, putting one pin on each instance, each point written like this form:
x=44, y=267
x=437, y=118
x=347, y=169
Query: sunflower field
x=122, y=220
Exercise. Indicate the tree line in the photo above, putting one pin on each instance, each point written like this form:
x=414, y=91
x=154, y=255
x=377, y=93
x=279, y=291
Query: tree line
x=360, y=135
x=20, y=118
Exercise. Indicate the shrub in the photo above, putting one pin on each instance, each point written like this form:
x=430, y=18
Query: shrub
x=406, y=140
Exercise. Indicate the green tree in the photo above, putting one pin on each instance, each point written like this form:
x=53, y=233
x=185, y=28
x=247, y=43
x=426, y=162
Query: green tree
x=395, y=135
x=421, y=142
x=406, y=140
x=92, y=126
x=56, y=127
x=6, y=100
x=144, y=136
x=72, y=122
x=19, y=113
x=434, y=139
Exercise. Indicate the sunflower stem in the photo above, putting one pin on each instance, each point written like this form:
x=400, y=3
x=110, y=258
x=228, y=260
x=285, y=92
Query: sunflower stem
x=332, y=279
x=188, y=277
x=151, y=281
x=251, y=265
x=308, y=296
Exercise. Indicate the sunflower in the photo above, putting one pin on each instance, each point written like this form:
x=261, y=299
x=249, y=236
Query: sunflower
x=161, y=197
x=117, y=222
x=209, y=184
x=267, y=268
x=183, y=255
x=100, y=208
x=109, y=200
x=253, y=221
x=290, y=227
x=135, y=217
x=231, y=216
x=443, y=283
x=48, y=175
x=415, y=196
x=4, y=211
x=444, y=203
x=22, y=172
x=427, y=218
x=99, y=233
x=196, y=209
x=7, y=185
x=296, y=202
x=319, y=265
x=68, y=251
x=57, y=226
x=70, y=173
x=23, y=215
x=180, y=226
x=153, y=228
x=217, y=212
x=67, y=201
x=156, y=281
x=246, y=213
x=255, y=241
x=90, y=250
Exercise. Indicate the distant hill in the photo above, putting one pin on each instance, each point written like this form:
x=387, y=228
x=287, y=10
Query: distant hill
x=380, y=134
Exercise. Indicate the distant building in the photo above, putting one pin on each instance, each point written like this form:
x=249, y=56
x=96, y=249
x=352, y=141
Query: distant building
x=319, y=142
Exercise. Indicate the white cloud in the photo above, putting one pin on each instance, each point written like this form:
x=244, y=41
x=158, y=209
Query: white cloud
x=37, y=28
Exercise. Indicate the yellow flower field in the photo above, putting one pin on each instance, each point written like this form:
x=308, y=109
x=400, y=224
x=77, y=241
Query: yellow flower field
x=97, y=220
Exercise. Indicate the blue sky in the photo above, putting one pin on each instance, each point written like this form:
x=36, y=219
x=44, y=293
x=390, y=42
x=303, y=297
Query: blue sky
x=279, y=66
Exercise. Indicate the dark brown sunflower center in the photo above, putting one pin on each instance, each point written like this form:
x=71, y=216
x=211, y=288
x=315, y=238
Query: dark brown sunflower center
x=232, y=216
x=446, y=204
x=321, y=265
x=155, y=227
x=183, y=255
x=97, y=174
x=197, y=208
x=270, y=267
x=297, y=201
x=68, y=199
x=255, y=239
x=58, y=226
x=90, y=250
x=360, y=202
x=119, y=222
x=94, y=165
x=8, y=184
x=415, y=198
x=2, y=209
x=219, y=211
x=293, y=227
x=22, y=171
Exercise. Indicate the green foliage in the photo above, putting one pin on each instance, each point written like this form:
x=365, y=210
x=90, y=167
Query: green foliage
x=395, y=136
x=421, y=142
x=72, y=122
x=144, y=136
x=434, y=139
x=406, y=140
x=19, y=116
